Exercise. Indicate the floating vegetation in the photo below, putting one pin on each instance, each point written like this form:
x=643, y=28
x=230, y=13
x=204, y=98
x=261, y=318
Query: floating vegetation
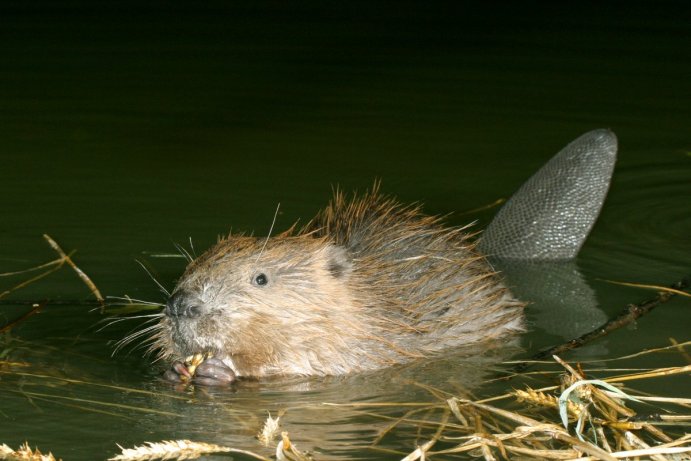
x=594, y=414
x=175, y=449
x=186, y=449
x=582, y=419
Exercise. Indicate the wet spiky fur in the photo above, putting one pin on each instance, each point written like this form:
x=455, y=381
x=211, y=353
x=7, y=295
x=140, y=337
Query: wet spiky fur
x=366, y=284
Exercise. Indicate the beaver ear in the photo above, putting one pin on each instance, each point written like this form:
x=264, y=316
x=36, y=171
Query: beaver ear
x=338, y=262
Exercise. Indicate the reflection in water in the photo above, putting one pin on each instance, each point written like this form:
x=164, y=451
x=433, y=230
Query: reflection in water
x=337, y=417
x=647, y=223
x=561, y=302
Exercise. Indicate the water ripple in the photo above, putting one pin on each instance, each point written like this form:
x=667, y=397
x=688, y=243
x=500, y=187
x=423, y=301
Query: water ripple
x=646, y=221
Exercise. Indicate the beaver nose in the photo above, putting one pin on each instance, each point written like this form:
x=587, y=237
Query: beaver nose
x=182, y=304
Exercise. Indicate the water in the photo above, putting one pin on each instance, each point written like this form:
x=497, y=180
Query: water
x=127, y=128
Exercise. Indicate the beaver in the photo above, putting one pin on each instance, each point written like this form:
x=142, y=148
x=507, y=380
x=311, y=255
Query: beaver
x=370, y=282
x=367, y=283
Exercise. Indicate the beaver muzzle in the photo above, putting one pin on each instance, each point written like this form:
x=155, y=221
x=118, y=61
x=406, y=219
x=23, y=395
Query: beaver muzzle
x=183, y=304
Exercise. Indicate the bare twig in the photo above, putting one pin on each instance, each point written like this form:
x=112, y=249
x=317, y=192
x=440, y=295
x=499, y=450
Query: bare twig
x=35, y=309
x=85, y=278
x=627, y=316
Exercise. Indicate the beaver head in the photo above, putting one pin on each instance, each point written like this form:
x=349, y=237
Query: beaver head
x=266, y=306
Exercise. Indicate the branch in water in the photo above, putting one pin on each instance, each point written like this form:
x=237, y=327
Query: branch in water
x=627, y=316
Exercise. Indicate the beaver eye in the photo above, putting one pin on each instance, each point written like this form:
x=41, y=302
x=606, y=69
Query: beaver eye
x=261, y=279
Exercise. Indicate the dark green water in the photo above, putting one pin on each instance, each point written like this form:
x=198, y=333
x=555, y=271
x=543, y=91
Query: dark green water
x=124, y=129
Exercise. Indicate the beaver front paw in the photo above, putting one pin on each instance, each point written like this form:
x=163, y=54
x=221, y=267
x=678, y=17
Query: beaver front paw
x=210, y=372
x=214, y=372
x=177, y=373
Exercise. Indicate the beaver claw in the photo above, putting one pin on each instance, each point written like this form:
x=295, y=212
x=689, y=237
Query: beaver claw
x=211, y=372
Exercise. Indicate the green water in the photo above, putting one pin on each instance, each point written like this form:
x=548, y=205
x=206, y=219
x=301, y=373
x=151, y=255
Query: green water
x=125, y=129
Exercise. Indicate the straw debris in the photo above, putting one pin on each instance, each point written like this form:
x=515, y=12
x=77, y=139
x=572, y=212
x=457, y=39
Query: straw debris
x=176, y=449
x=270, y=430
x=548, y=401
x=606, y=427
x=187, y=449
x=24, y=453
x=287, y=451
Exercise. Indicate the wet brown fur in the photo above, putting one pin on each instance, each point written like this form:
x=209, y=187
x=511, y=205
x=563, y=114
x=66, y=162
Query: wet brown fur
x=366, y=284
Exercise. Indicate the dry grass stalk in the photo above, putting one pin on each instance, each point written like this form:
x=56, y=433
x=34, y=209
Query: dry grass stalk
x=24, y=453
x=420, y=452
x=397, y=421
x=187, y=449
x=548, y=401
x=651, y=374
x=657, y=288
x=488, y=432
x=82, y=275
x=176, y=449
x=35, y=309
x=606, y=429
x=58, y=265
x=269, y=431
x=287, y=451
x=680, y=348
x=54, y=266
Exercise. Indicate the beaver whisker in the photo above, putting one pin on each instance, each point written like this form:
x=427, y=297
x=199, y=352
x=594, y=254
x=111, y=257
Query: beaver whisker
x=145, y=345
x=194, y=253
x=110, y=321
x=266, y=240
x=127, y=301
x=161, y=287
x=183, y=252
x=134, y=336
